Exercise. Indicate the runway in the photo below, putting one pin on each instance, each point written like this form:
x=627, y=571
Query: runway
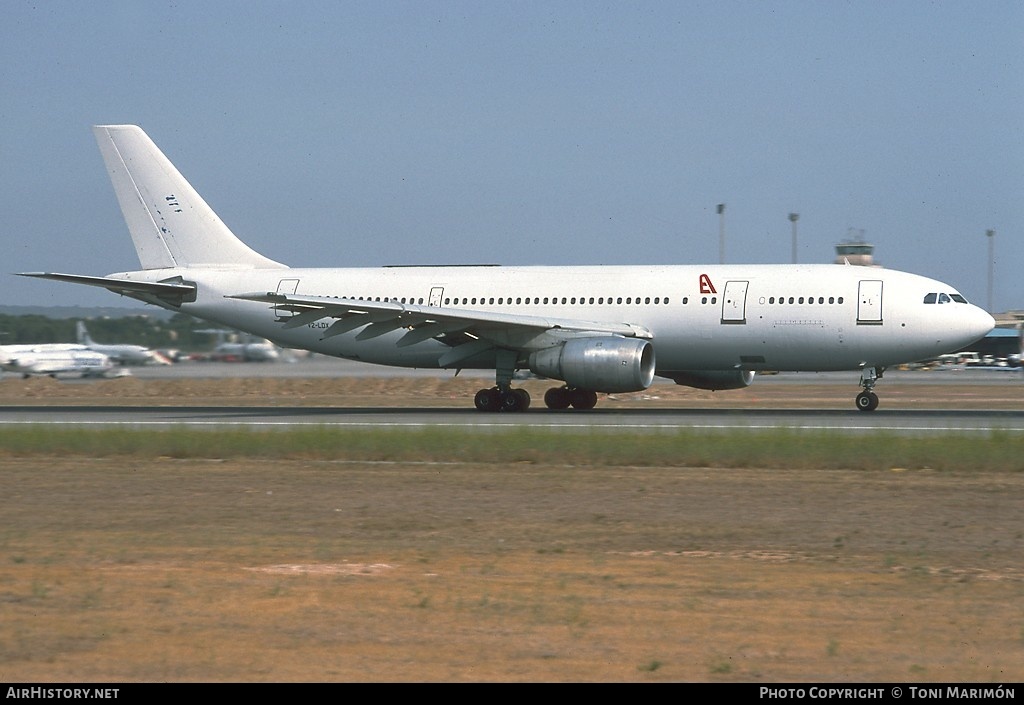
x=923, y=422
x=761, y=407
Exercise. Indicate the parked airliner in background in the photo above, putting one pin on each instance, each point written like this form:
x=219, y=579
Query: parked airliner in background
x=123, y=354
x=52, y=359
x=598, y=329
x=248, y=351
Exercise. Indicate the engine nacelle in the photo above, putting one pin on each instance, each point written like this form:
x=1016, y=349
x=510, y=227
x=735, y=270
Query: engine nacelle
x=606, y=364
x=714, y=379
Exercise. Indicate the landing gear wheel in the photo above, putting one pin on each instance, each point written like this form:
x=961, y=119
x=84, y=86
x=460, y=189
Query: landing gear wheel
x=525, y=396
x=488, y=399
x=557, y=398
x=515, y=400
x=583, y=399
x=867, y=401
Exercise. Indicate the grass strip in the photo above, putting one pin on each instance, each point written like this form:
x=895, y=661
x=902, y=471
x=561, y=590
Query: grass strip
x=996, y=451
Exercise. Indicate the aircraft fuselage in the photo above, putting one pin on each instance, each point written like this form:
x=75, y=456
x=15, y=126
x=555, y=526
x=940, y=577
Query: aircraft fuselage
x=751, y=317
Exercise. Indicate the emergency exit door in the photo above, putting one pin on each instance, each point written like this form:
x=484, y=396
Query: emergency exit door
x=285, y=286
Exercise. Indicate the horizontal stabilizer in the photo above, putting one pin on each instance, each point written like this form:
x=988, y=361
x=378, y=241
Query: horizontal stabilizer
x=119, y=286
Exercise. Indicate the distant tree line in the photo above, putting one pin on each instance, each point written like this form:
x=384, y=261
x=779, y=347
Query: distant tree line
x=178, y=332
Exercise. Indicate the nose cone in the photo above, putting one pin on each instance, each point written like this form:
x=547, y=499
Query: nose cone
x=976, y=325
x=984, y=322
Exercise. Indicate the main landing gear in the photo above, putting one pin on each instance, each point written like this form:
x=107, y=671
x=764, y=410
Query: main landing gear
x=868, y=400
x=501, y=397
x=497, y=399
x=557, y=398
x=564, y=397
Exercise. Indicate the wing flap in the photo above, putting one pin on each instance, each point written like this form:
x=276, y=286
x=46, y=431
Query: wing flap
x=431, y=329
x=344, y=325
x=463, y=352
x=379, y=328
x=303, y=319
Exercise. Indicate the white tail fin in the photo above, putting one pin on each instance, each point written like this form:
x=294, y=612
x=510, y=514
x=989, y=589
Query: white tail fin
x=171, y=225
x=83, y=335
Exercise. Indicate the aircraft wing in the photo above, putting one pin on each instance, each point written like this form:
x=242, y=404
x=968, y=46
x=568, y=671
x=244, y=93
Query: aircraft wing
x=479, y=330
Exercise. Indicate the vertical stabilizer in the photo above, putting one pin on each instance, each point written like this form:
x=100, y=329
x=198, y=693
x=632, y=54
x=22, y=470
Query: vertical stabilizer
x=83, y=335
x=170, y=223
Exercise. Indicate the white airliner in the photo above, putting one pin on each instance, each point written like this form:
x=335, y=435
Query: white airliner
x=53, y=359
x=124, y=354
x=248, y=351
x=598, y=329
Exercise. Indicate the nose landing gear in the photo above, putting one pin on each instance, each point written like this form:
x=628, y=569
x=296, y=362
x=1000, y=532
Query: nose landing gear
x=868, y=400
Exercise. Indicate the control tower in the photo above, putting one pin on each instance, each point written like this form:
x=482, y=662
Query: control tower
x=856, y=251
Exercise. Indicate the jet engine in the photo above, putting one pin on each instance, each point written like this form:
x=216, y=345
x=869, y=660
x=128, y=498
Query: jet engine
x=713, y=379
x=605, y=364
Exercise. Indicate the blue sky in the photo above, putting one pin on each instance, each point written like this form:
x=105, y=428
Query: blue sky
x=368, y=133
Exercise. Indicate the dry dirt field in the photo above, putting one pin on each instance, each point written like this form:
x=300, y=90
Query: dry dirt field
x=162, y=570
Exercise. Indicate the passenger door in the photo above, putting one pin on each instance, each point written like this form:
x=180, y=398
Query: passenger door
x=734, y=302
x=869, y=303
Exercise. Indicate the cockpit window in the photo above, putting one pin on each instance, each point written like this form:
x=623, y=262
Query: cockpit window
x=942, y=298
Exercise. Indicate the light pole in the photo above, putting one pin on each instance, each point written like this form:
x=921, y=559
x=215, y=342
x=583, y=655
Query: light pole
x=990, y=234
x=721, y=233
x=793, y=217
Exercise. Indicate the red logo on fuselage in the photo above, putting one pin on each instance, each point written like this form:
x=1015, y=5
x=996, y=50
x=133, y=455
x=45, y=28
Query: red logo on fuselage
x=706, y=287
